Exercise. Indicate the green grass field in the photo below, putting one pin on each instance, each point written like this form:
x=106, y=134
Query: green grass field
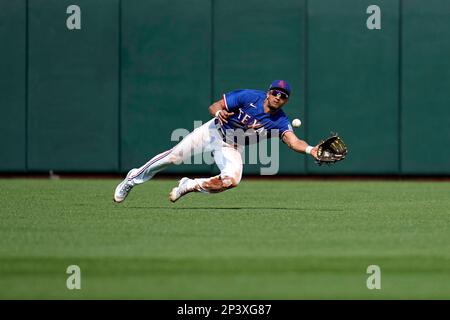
x=266, y=239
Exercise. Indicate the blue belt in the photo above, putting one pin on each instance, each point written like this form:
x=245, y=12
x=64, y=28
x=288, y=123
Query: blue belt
x=222, y=134
x=220, y=129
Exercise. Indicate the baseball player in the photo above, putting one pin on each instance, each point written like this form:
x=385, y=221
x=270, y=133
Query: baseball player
x=244, y=113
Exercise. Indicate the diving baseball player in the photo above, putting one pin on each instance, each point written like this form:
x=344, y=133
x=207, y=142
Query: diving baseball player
x=239, y=115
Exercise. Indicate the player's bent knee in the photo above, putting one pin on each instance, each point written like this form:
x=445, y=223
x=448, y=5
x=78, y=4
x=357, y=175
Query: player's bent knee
x=175, y=158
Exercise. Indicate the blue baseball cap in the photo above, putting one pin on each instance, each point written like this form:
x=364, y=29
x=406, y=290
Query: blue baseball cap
x=281, y=85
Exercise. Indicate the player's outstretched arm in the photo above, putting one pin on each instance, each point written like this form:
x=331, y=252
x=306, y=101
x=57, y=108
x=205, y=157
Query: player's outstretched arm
x=297, y=144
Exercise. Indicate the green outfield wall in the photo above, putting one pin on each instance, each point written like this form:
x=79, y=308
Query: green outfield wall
x=100, y=85
x=13, y=85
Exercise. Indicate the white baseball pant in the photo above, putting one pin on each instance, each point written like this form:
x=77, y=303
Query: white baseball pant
x=205, y=138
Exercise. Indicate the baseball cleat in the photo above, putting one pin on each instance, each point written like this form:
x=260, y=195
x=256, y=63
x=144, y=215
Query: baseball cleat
x=123, y=189
x=179, y=191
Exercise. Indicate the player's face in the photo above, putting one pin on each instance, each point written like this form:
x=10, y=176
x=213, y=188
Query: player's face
x=276, y=99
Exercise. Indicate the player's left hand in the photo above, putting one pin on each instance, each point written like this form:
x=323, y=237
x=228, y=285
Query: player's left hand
x=331, y=150
x=314, y=152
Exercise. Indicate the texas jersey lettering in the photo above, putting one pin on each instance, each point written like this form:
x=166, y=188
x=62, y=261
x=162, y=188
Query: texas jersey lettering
x=249, y=116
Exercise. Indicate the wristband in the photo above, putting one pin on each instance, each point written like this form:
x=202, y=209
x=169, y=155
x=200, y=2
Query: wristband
x=217, y=113
x=308, y=149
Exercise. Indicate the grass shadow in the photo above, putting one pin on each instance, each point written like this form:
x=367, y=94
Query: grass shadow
x=234, y=208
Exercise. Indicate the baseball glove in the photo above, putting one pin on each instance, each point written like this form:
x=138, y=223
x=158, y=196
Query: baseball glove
x=331, y=150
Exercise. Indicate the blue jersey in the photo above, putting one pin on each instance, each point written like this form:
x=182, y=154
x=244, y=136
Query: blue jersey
x=249, y=116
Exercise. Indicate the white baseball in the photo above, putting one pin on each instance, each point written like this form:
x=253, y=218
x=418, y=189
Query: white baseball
x=296, y=123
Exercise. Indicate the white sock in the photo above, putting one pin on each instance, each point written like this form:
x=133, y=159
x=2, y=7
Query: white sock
x=196, y=184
